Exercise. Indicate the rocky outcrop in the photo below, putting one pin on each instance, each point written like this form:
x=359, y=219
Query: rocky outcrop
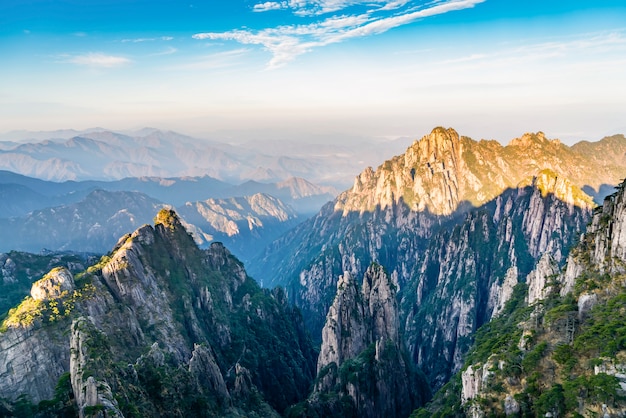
x=94, y=397
x=538, y=280
x=499, y=295
x=53, y=285
x=207, y=373
x=361, y=355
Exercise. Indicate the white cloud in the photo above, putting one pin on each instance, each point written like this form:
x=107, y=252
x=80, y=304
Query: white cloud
x=96, y=59
x=287, y=42
x=269, y=5
x=168, y=51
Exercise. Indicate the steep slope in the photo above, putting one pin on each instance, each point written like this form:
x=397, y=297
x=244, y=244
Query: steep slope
x=453, y=234
x=158, y=326
x=562, y=353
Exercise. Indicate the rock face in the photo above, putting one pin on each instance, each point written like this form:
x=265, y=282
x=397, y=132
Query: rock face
x=538, y=279
x=245, y=223
x=53, y=285
x=89, y=392
x=555, y=353
x=196, y=314
x=361, y=356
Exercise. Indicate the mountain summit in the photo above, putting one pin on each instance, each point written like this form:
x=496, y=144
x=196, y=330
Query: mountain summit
x=443, y=172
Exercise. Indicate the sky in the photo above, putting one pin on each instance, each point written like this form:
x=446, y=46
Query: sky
x=491, y=69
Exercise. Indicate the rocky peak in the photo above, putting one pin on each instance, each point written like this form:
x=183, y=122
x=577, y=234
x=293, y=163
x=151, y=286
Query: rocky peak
x=359, y=316
x=379, y=301
x=56, y=283
x=549, y=182
x=428, y=177
x=530, y=139
x=440, y=145
x=345, y=334
x=94, y=397
x=361, y=355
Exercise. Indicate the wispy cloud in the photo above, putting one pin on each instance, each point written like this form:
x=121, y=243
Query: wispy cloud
x=218, y=60
x=169, y=51
x=97, y=60
x=366, y=18
x=138, y=40
x=586, y=44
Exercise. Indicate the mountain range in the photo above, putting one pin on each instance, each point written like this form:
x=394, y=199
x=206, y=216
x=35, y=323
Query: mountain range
x=99, y=154
x=457, y=223
x=89, y=216
x=484, y=274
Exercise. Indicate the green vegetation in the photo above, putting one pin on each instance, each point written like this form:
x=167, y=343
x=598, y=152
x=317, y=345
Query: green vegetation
x=26, y=269
x=30, y=311
x=552, y=375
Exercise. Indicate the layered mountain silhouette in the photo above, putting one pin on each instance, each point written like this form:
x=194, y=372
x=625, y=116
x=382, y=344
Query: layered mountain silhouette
x=99, y=154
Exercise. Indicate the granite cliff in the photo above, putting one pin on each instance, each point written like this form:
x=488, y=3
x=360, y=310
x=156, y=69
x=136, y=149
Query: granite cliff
x=362, y=368
x=561, y=348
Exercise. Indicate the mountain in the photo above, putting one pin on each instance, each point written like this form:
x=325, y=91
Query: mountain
x=29, y=193
x=156, y=327
x=95, y=223
x=91, y=215
x=90, y=225
x=305, y=197
x=561, y=353
x=448, y=268
x=457, y=223
x=362, y=369
x=98, y=154
x=245, y=224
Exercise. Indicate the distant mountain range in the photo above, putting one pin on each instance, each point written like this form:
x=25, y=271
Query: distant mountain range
x=98, y=154
x=89, y=216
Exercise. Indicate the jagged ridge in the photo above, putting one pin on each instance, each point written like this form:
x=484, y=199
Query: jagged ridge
x=217, y=343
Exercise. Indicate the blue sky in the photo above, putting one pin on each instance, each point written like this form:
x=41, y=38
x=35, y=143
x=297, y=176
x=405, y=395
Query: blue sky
x=384, y=68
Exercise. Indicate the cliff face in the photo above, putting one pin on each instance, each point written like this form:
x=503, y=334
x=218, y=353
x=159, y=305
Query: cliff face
x=561, y=348
x=362, y=369
x=207, y=327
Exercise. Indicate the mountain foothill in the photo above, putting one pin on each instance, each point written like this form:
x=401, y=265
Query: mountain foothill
x=458, y=278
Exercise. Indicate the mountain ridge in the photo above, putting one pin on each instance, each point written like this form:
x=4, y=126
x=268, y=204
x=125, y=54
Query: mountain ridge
x=157, y=326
